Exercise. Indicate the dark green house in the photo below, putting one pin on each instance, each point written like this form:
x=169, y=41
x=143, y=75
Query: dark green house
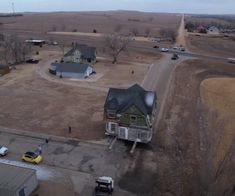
x=130, y=113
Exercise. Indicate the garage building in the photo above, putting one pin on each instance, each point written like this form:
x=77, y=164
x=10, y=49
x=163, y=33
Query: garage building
x=17, y=181
x=71, y=70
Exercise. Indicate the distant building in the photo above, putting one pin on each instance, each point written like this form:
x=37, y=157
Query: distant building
x=36, y=42
x=17, y=181
x=71, y=70
x=80, y=54
x=130, y=113
x=213, y=30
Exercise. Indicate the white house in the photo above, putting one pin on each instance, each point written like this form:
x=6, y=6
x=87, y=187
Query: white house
x=213, y=30
x=80, y=54
x=71, y=70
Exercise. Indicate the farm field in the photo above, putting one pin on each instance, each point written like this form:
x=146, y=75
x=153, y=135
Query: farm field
x=196, y=134
x=103, y=22
x=212, y=45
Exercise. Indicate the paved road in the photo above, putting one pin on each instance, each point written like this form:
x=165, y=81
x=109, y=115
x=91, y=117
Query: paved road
x=70, y=164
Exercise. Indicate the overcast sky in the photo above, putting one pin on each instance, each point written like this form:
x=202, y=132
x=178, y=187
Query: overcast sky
x=179, y=6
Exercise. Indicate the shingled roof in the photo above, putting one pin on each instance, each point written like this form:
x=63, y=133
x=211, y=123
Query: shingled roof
x=86, y=51
x=122, y=99
x=70, y=67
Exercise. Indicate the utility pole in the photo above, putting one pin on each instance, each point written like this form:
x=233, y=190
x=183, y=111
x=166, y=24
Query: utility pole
x=13, y=8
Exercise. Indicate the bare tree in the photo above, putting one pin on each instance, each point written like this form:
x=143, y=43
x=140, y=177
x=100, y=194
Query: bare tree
x=134, y=31
x=118, y=28
x=54, y=28
x=168, y=33
x=6, y=51
x=63, y=27
x=147, y=31
x=16, y=48
x=116, y=44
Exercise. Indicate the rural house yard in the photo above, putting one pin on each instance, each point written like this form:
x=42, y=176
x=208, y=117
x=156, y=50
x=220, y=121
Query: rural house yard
x=49, y=104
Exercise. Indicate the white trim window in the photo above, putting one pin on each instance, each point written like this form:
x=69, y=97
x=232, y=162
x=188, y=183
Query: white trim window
x=112, y=127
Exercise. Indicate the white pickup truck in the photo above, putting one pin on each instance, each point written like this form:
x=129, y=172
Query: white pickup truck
x=3, y=150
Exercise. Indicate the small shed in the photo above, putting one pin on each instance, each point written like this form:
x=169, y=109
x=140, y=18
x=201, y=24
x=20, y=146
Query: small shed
x=71, y=70
x=17, y=181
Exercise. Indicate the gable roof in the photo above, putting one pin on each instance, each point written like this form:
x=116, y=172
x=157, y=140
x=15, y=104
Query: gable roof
x=14, y=177
x=71, y=67
x=86, y=51
x=122, y=99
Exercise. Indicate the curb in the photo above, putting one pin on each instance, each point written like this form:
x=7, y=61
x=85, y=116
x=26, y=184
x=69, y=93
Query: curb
x=51, y=138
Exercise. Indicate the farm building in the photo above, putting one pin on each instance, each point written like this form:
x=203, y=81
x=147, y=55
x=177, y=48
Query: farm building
x=17, y=181
x=36, y=42
x=71, y=70
x=130, y=113
x=4, y=69
x=80, y=54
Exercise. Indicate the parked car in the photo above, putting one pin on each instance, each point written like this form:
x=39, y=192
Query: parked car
x=3, y=150
x=182, y=49
x=32, y=157
x=33, y=61
x=164, y=49
x=155, y=46
x=105, y=186
x=175, y=57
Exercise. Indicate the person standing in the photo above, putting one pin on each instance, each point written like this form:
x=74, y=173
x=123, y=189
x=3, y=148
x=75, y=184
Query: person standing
x=40, y=149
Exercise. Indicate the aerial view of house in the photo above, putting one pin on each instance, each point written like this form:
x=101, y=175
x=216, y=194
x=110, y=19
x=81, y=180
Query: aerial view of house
x=71, y=70
x=130, y=113
x=156, y=120
x=80, y=54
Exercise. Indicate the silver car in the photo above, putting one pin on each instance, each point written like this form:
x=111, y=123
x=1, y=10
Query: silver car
x=3, y=150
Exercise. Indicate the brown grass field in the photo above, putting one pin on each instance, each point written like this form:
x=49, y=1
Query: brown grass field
x=195, y=139
x=212, y=45
x=49, y=107
x=103, y=22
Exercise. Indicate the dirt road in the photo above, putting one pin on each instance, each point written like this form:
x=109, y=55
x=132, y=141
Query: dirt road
x=180, y=40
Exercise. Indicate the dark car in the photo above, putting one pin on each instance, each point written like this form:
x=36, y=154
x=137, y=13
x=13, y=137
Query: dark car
x=33, y=61
x=175, y=57
x=156, y=46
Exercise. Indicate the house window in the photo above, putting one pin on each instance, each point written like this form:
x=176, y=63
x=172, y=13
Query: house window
x=133, y=119
x=113, y=127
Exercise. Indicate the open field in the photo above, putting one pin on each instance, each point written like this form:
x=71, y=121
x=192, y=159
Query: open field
x=103, y=22
x=195, y=151
x=210, y=19
x=50, y=106
x=212, y=45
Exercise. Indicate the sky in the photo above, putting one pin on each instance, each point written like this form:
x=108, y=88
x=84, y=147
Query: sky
x=175, y=6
